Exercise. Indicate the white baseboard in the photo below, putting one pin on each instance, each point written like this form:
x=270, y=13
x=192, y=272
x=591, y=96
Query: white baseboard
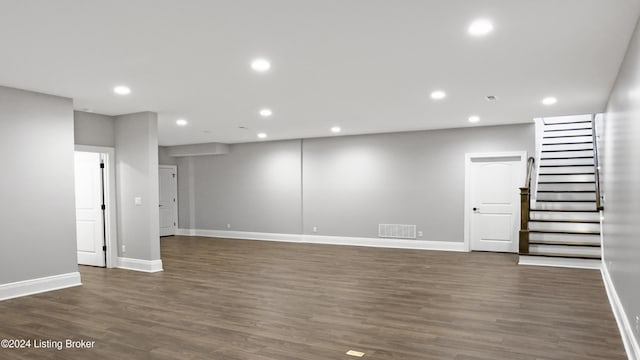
x=39, y=285
x=594, y=264
x=333, y=240
x=149, y=266
x=626, y=331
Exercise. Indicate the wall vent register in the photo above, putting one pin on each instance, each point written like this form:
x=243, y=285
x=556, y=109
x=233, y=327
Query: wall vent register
x=397, y=231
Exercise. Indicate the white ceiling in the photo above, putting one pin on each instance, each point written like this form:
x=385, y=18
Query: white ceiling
x=365, y=65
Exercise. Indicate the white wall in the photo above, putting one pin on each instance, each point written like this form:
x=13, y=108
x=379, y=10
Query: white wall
x=37, y=194
x=349, y=184
x=621, y=166
x=94, y=129
x=136, y=141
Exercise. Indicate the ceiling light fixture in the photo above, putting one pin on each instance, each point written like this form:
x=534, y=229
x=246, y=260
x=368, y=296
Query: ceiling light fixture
x=480, y=27
x=438, y=95
x=181, y=122
x=265, y=112
x=262, y=135
x=549, y=100
x=260, y=65
x=336, y=129
x=122, y=90
x=474, y=118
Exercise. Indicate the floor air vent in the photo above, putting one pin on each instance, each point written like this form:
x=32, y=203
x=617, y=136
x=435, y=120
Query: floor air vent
x=398, y=231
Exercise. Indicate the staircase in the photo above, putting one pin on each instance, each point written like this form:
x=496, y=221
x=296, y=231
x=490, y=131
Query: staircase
x=564, y=220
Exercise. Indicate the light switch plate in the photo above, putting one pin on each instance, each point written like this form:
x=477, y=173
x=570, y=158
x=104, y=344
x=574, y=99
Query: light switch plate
x=137, y=200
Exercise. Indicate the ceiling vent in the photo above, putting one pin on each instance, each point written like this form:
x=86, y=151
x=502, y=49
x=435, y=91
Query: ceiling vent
x=491, y=98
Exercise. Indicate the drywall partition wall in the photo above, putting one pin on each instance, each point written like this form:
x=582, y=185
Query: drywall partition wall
x=38, y=217
x=164, y=158
x=621, y=167
x=136, y=140
x=255, y=187
x=352, y=184
x=94, y=129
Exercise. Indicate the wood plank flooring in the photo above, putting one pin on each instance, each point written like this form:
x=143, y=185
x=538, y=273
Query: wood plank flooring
x=236, y=299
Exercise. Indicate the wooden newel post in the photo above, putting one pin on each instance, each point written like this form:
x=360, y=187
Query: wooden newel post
x=524, y=220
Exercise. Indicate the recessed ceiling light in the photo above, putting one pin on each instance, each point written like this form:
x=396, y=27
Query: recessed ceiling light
x=260, y=65
x=262, y=135
x=181, y=122
x=550, y=100
x=474, y=118
x=336, y=129
x=438, y=95
x=122, y=90
x=266, y=112
x=480, y=27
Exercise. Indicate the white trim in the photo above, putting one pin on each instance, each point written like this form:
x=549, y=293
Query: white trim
x=149, y=266
x=626, y=333
x=594, y=264
x=39, y=285
x=333, y=240
x=175, y=191
x=467, y=189
x=110, y=200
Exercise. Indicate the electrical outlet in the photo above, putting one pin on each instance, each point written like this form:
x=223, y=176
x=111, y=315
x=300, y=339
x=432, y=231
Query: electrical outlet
x=228, y=226
x=315, y=229
x=420, y=234
x=124, y=248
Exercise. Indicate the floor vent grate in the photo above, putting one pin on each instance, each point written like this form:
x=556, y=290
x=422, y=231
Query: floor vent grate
x=398, y=231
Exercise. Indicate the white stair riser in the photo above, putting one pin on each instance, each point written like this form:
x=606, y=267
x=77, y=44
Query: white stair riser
x=565, y=249
x=567, y=238
x=565, y=147
x=565, y=205
x=566, y=178
x=563, y=226
x=566, y=196
x=564, y=140
x=561, y=215
x=567, y=126
x=566, y=170
x=567, y=187
x=581, y=132
x=567, y=154
x=586, y=161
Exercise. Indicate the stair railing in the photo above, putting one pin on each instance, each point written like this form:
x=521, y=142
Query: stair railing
x=599, y=204
x=525, y=208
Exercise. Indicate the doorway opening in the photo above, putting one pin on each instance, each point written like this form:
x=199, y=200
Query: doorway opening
x=95, y=206
x=492, y=200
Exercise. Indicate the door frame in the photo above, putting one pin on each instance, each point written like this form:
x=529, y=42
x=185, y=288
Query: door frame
x=175, y=191
x=468, y=157
x=110, y=225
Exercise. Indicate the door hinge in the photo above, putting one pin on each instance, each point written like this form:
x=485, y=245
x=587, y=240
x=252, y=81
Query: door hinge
x=174, y=224
x=104, y=247
x=101, y=165
x=174, y=199
x=174, y=175
x=103, y=207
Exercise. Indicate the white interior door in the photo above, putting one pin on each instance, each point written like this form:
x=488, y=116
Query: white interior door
x=494, y=198
x=89, y=213
x=168, y=201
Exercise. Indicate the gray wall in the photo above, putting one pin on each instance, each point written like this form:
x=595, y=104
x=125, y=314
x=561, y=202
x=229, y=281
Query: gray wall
x=94, y=129
x=136, y=142
x=621, y=167
x=255, y=187
x=38, y=212
x=164, y=158
x=349, y=184
x=352, y=184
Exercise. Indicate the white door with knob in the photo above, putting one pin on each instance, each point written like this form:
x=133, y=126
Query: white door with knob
x=168, y=178
x=494, y=201
x=90, y=230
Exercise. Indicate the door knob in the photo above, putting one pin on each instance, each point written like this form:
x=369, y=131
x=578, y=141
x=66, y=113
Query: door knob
x=475, y=209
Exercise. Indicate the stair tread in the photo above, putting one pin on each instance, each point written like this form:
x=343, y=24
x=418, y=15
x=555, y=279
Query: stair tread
x=566, y=221
x=583, y=173
x=568, y=143
x=562, y=211
x=566, y=191
x=564, y=255
x=565, y=201
x=564, y=136
x=570, y=122
x=566, y=182
x=565, y=232
x=547, y=242
x=566, y=158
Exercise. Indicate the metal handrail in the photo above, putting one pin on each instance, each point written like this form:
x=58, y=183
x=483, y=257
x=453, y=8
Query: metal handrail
x=594, y=132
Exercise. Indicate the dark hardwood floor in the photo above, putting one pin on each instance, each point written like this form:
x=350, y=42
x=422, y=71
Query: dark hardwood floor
x=235, y=299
